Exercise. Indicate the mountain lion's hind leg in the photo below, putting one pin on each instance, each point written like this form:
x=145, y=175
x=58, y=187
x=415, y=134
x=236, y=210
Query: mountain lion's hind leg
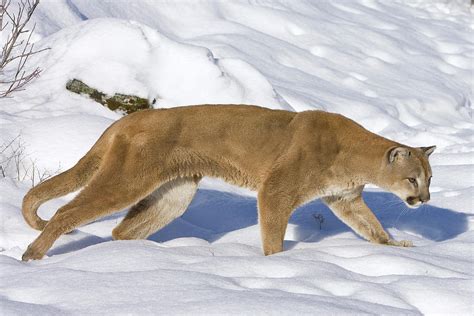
x=115, y=186
x=352, y=210
x=158, y=209
x=102, y=197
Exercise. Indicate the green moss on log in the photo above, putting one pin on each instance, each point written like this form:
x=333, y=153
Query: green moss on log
x=118, y=102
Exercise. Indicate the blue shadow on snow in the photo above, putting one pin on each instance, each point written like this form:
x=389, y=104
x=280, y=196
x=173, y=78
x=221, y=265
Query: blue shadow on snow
x=212, y=214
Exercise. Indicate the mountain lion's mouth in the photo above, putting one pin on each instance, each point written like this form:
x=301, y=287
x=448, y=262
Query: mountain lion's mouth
x=412, y=202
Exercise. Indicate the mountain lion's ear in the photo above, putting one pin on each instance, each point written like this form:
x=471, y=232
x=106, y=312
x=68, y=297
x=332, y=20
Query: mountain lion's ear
x=428, y=150
x=398, y=152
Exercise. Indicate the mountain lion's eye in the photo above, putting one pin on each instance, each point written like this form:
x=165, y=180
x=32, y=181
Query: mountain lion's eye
x=413, y=181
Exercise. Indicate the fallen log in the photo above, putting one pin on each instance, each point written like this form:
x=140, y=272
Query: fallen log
x=118, y=102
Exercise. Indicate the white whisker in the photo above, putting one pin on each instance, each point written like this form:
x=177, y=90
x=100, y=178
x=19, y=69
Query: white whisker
x=404, y=211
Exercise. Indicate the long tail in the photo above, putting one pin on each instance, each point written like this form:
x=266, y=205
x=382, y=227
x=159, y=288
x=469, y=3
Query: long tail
x=59, y=185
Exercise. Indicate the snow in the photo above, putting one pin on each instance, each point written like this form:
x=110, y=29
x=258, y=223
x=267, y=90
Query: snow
x=402, y=69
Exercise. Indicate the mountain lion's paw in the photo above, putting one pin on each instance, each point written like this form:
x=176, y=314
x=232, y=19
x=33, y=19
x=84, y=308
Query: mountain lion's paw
x=31, y=254
x=401, y=243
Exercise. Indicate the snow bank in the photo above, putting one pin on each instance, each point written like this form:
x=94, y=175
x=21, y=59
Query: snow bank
x=117, y=56
x=209, y=262
x=402, y=71
x=399, y=68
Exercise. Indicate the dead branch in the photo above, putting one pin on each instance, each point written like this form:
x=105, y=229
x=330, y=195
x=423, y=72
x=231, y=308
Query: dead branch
x=14, y=164
x=11, y=52
x=122, y=103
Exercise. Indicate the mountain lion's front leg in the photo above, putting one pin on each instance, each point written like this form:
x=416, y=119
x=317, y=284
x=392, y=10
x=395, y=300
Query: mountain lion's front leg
x=273, y=215
x=275, y=205
x=353, y=211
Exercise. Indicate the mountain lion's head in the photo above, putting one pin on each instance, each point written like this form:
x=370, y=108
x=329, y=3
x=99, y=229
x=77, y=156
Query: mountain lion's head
x=408, y=174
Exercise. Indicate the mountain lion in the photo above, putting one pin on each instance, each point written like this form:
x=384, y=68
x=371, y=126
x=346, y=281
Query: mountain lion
x=154, y=160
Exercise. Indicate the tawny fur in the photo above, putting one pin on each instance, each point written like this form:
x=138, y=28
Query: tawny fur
x=154, y=160
x=158, y=209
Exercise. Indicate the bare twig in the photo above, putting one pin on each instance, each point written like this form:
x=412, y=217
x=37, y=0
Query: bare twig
x=4, y=4
x=14, y=164
x=37, y=176
x=320, y=219
x=17, y=20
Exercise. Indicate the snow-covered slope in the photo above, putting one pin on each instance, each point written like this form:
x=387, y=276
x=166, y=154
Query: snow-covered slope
x=401, y=69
